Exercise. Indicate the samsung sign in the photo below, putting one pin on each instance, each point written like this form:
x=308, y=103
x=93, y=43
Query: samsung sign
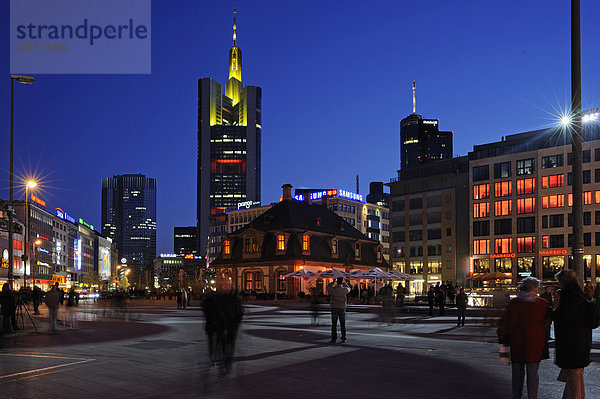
x=317, y=195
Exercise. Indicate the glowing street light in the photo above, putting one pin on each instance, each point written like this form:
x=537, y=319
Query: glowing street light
x=565, y=120
x=28, y=185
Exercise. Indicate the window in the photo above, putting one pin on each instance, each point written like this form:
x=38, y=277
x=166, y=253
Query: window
x=526, y=186
x=481, y=228
x=416, y=203
x=334, y=246
x=587, y=176
x=553, y=201
x=481, y=210
x=587, y=198
x=525, y=205
x=434, y=250
x=280, y=242
x=545, y=242
x=434, y=234
x=502, y=188
x=557, y=220
x=481, y=191
x=502, y=226
x=481, y=172
x=586, y=156
x=18, y=245
x=587, y=218
x=525, y=244
x=526, y=167
x=557, y=241
x=378, y=253
x=526, y=225
x=416, y=235
x=227, y=247
x=502, y=208
x=397, y=206
x=597, y=154
x=552, y=161
x=253, y=281
x=448, y=231
x=357, y=250
x=597, y=174
x=305, y=242
x=481, y=247
x=281, y=280
x=597, y=218
x=553, y=181
x=501, y=170
x=397, y=236
x=503, y=245
x=587, y=240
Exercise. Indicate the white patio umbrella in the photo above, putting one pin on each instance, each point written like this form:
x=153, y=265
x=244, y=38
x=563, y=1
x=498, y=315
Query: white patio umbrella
x=372, y=274
x=332, y=273
x=302, y=273
x=397, y=275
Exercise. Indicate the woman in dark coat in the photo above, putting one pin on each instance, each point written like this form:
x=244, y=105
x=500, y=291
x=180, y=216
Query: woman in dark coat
x=573, y=335
x=523, y=328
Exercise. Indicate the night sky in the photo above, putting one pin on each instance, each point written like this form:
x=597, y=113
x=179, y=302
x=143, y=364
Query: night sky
x=336, y=80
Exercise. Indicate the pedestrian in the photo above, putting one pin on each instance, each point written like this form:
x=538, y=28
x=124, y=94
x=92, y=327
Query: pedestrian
x=9, y=307
x=589, y=291
x=461, y=305
x=431, y=299
x=338, y=291
x=37, y=297
x=52, y=300
x=442, y=300
x=547, y=295
x=523, y=328
x=184, y=299
x=451, y=293
x=573, y=334
x=597, y=294
x=400, y=295
x=179, y=299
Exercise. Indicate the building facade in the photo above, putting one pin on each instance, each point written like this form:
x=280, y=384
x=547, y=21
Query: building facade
x=520, y=204
x=129, y=217
x=289, y=236
x=422, y=142
x=229, y=144
x=184, y=240
x=429, y=236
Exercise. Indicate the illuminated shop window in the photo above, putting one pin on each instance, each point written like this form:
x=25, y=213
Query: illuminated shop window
x=481, y=210
x=280, y=242
x=502, y=188
x=525, y=244
x=481, y=191
x=526, y=186
x=503, y=245
x=481, y=247
x=525, y=205
x=553, y=181
x=503, y=208
x=553, y=201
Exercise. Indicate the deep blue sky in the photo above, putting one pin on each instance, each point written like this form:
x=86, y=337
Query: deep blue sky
x=336, y=79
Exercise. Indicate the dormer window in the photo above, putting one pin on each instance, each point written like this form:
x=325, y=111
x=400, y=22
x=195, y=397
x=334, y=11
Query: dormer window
x=280, y=242
x=378, y=253
x=357, y=250
x=227, y=247
x=305, y=242
x=334, y=247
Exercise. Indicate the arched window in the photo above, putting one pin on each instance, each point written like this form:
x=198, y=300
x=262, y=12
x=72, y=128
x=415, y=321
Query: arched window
x=305, y=242
x=280, y=242
x=357, y=250
x=334, y=247
x=227, y=247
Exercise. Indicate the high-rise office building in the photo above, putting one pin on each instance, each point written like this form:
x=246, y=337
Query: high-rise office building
x=184, y=240
x=229, y=135
x=129, y=217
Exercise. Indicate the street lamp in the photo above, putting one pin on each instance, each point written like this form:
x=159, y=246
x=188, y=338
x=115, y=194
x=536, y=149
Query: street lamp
x=25, y=80
x=29, y=184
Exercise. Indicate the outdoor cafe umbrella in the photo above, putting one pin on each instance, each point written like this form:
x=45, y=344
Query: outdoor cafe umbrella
x=489, y=277
x=397, y=275
x=302, y=273
x=372, y=274
x=332, y=273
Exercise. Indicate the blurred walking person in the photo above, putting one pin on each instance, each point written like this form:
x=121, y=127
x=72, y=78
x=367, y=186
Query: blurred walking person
x=461, y=306
x=338, y=292
x=523, y=328
x=52, y=300
x=37, y=298
x=573, y=334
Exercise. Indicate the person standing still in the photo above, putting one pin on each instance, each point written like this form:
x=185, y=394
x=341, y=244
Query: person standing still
x=37, y=297
x=52, y=299
x=431, y=299
x=338, y=292
x=523, y=328
x=461, y=306
x=572, y=333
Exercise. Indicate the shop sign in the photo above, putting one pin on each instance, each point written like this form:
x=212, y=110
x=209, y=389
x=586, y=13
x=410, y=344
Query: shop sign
x=503, y=256
x=554, y=252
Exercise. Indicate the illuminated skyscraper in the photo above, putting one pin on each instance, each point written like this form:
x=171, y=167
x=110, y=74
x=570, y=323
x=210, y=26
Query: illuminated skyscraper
x=229, y=135
x=129, y=217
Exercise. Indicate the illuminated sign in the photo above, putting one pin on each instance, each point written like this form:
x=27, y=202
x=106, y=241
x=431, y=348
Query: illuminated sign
x=38, y=201
x=64, y=215
x=299, y=197
x=471, y=268
x=42, y=250
x=189, y=256
x=247, y=204
x=317, y=195
x=503, y=255
x=164, y=256
x=350, y=195
x=430, y=122
x=77, y=255
x=554, y=252
x=5, y=259
x=83, y=222
x=104, y=263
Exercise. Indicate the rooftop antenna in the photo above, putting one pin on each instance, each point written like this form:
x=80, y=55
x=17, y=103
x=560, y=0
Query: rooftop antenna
x=414, y=98
x=357, y=186
x=234, y=27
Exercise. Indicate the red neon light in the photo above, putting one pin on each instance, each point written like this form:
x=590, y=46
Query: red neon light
x=228, y=166
x=332, y=193
x=37, y=200
x=554, y=252
x=42, y=237
x=471, y=268
x=503, y=255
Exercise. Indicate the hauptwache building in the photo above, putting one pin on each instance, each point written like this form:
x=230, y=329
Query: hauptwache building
x=288, y=237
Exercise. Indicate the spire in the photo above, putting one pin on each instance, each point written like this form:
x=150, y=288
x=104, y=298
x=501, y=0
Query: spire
x=414, y=95
x=234, y=28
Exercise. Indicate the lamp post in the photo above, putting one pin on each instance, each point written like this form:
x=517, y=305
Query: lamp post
x=576, y=143
x=28, y=185
x=25, y=80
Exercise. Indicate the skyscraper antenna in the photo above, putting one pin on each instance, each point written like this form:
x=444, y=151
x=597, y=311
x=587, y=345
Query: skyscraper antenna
x=234, y=27
x=357, y=186
x=414, y=96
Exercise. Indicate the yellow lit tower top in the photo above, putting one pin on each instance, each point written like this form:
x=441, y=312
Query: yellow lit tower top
x=234, y=84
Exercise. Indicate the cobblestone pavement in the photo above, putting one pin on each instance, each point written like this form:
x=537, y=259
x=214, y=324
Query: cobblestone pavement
x=152, y=350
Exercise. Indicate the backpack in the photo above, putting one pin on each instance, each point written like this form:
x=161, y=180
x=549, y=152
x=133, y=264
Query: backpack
x=592, y=314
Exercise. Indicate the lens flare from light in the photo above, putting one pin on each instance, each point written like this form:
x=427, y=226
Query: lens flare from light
x=565, y=120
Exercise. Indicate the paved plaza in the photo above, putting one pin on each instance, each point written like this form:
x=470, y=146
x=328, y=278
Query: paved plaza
x=152, y=350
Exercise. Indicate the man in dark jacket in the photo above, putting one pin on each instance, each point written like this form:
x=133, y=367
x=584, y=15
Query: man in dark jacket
x=338, y=292
x=461, y=305
x=573, y=334
x=523, y=328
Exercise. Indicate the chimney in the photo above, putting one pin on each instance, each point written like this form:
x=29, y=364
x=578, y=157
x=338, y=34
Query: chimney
x=287, y=192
